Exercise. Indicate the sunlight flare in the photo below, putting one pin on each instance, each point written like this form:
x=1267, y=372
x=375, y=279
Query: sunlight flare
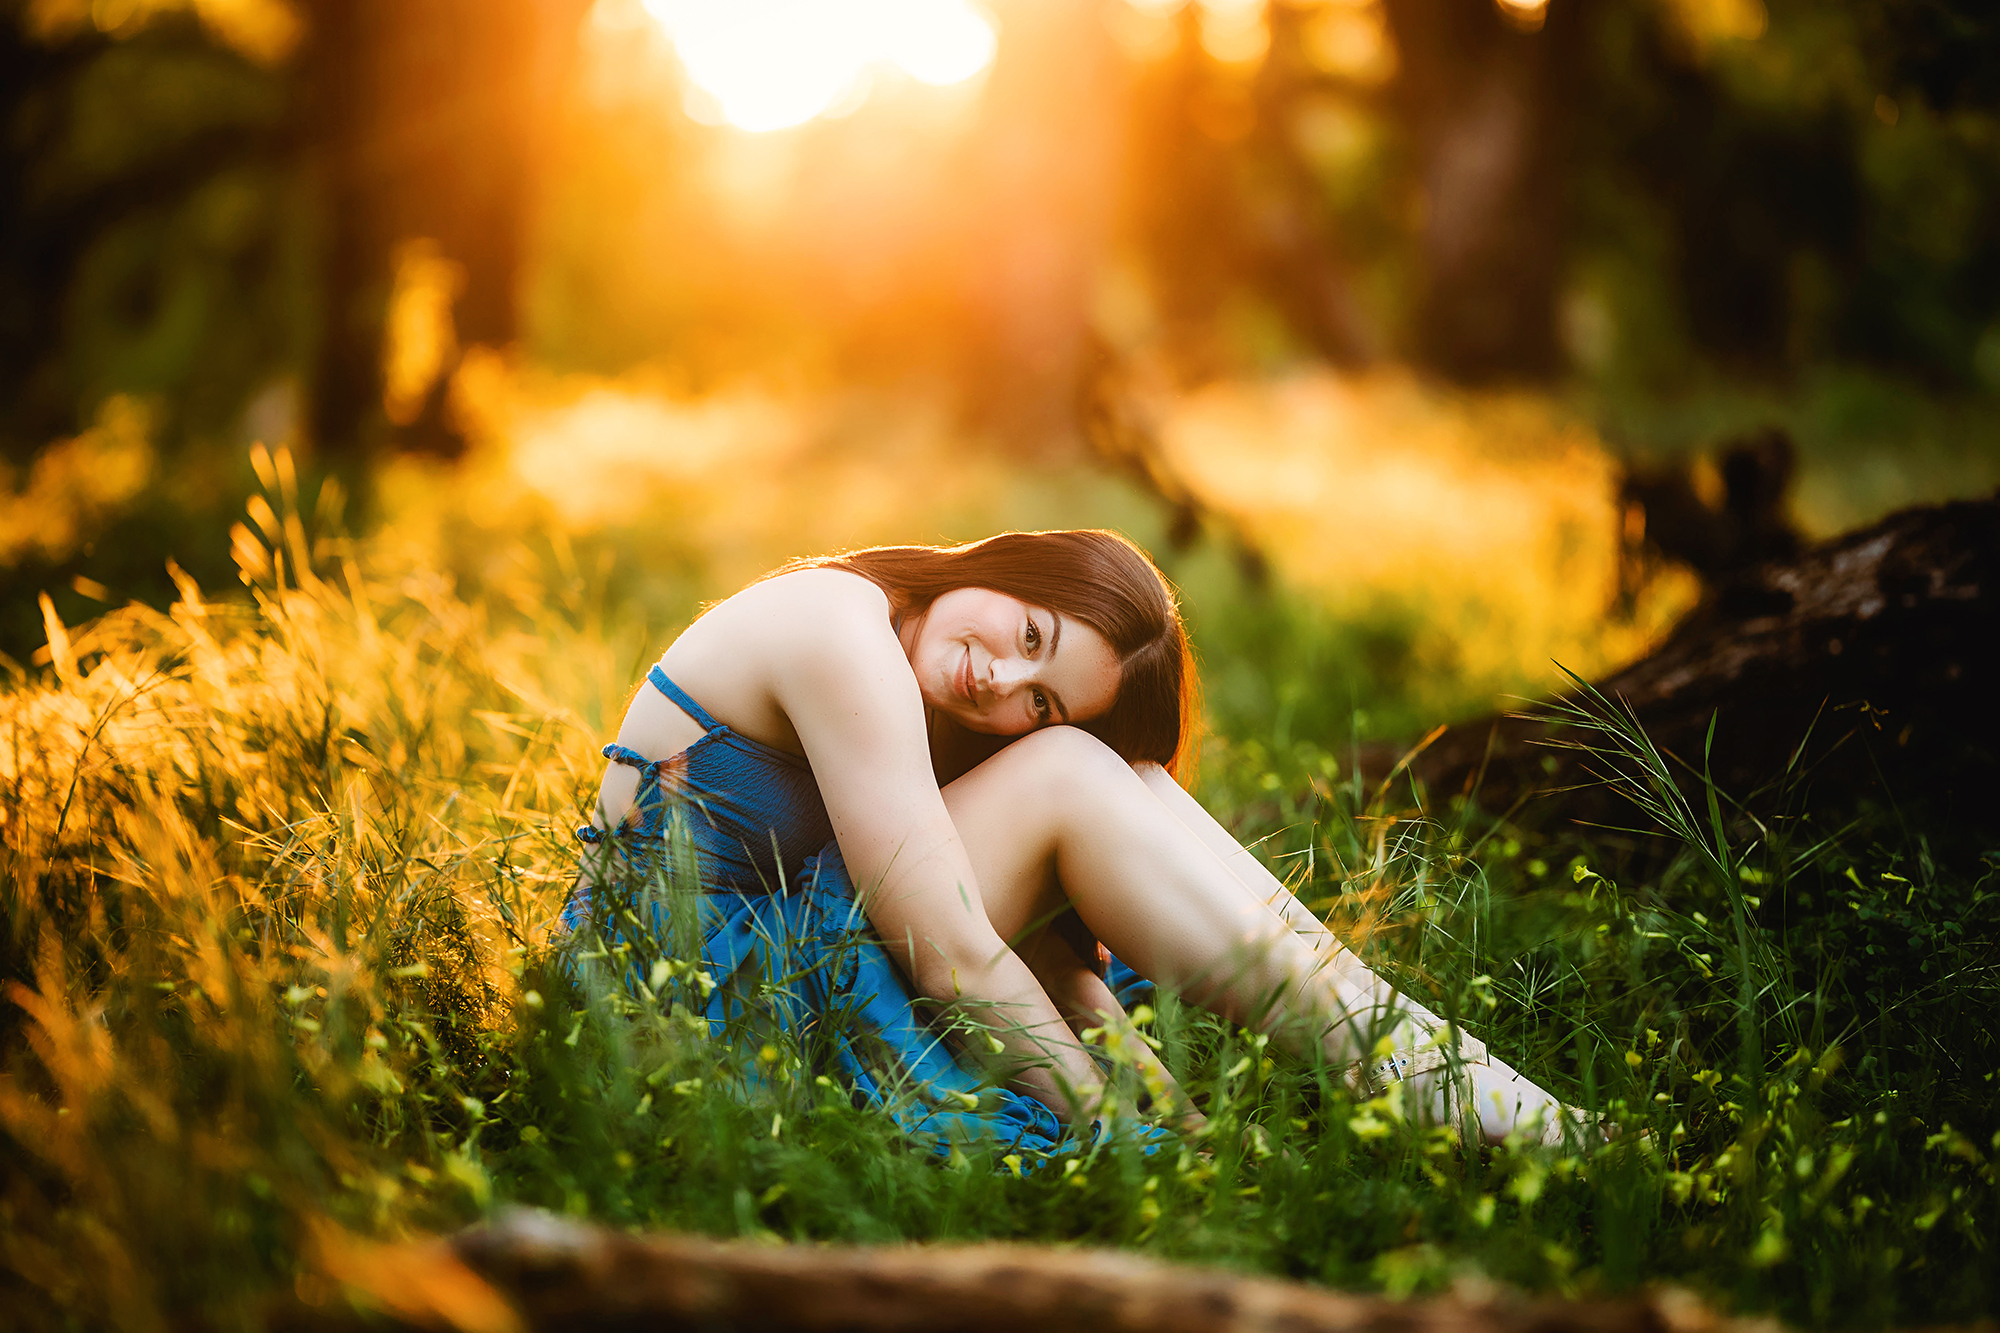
x=771, y=64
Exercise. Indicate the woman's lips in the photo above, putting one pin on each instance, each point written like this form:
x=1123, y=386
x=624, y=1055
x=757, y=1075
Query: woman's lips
x=962, y=678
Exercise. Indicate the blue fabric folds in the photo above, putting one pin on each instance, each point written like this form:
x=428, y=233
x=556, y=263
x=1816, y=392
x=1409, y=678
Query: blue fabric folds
x=753, y=813
x=792, y=952
x=808, y=959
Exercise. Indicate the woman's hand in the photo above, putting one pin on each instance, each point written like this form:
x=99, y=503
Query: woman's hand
x=1094, y=1013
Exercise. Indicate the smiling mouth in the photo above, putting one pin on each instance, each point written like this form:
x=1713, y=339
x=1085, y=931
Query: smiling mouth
x=962, y=679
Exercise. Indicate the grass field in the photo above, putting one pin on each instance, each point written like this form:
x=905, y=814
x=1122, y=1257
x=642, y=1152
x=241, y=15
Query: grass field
x=282, y=866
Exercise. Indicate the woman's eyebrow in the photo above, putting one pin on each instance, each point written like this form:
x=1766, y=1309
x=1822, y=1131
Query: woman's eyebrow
x=1055, y=639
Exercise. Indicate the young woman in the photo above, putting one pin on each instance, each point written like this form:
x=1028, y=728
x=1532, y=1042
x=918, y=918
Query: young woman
x=900, y=769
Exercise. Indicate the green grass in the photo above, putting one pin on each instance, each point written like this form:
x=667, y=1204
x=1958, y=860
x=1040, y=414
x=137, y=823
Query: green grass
x=280, y=878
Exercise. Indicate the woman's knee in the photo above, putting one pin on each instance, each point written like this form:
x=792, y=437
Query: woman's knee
x=1067, y=749
x=1065, y=763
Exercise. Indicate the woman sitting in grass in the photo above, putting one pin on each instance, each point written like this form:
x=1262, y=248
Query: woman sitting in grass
x=899, y=769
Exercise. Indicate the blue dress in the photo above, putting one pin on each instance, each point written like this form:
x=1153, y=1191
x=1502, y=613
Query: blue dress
x=783, y=941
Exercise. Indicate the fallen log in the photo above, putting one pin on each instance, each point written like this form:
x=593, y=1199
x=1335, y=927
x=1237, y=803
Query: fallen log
x=531, y=1271
x=1862, y=666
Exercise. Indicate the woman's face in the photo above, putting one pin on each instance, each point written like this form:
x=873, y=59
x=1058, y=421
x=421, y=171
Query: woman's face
x=994, y=664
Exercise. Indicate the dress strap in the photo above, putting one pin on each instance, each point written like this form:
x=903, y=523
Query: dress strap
x=620, y=754
x=665, y=685
x=649, y=792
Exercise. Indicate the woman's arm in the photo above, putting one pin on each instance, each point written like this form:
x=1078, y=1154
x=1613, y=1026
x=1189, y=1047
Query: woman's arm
x=844, y=684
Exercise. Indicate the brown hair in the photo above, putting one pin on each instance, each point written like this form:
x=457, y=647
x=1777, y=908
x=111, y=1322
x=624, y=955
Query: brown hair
x=1095, y=576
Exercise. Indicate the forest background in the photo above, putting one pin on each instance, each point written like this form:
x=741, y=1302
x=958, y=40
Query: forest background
x=525, y=325
x=1331, y=266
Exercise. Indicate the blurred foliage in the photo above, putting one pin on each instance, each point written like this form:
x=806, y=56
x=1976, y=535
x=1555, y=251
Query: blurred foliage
x=267, y=220
x=1831, y=188
x=151, y=253
x=153, y=242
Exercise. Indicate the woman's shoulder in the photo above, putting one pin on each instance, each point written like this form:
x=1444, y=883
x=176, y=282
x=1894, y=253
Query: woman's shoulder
x=798, y=640
x=817, y=598
x=803, y=608
x=828, y=636
x=823, y=585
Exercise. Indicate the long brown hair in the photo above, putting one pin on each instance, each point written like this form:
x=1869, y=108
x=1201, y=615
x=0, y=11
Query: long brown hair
x=1090, y=574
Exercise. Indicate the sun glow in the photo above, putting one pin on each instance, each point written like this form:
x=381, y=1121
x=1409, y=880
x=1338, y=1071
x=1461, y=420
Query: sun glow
x=771, y=64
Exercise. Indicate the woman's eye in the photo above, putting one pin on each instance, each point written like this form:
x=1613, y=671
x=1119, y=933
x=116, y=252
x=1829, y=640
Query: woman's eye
x=1041, y=704
x=1034, y=636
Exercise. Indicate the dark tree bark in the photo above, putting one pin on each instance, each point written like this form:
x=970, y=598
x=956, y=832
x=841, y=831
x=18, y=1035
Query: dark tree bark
x=1488, y=104
x=1864, y=664
x=426, y=120
x=548, y=1274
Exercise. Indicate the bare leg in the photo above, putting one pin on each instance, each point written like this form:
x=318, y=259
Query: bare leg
x=1058, y=814
x=1491, y=1089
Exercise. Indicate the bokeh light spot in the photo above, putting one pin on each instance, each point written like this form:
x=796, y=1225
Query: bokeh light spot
x=1234, y=31
x=770, y=64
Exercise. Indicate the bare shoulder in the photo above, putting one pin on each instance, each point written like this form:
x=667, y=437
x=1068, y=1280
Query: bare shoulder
x=828, y=629
x=840, y=676
x=819, y=596
x=800, y=643
x=808, y=614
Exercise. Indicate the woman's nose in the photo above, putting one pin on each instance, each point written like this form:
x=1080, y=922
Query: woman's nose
x=1005, y=673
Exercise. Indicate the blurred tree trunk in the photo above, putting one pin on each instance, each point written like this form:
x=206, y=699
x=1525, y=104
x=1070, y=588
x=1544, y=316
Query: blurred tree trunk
x=38, y=256
x=1852, y=670
x=535, y=1271
x=426, y=119
x=1488, y=100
